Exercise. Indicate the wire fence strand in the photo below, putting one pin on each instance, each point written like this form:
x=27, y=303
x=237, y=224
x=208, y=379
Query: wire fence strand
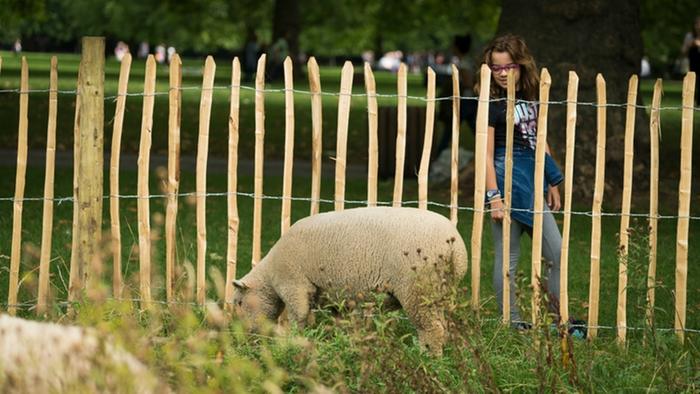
x=424, y=99
x=61, y=200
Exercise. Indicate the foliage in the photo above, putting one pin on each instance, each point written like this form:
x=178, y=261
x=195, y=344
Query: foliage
x=664, y=25
x=353, y=26
x=328, y=28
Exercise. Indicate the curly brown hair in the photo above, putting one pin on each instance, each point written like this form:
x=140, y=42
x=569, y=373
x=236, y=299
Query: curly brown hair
x=517, y=49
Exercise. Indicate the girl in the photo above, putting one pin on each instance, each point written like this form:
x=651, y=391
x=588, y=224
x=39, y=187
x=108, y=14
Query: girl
x=506, y=53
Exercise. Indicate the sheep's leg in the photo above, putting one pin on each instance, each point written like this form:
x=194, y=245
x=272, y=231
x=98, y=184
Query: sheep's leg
x=391, y=303
x=431, y=332
x=298, y=303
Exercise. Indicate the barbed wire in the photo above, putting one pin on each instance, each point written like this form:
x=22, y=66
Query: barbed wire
x=61, y=200
x=30, y=305
x=338, y=94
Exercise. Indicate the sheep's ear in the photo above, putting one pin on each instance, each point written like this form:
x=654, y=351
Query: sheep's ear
x=240, y=285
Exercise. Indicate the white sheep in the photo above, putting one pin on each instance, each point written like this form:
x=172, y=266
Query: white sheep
x=395, y=250
x=37, y=357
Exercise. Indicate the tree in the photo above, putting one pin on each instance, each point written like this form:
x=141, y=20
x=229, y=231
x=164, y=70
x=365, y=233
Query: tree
x=343, y=27
x=664, y=24
x=589, y=37
x=286, y=24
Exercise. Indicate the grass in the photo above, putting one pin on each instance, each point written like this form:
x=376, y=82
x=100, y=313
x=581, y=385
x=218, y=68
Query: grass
x=356, y=346
x=351, y=353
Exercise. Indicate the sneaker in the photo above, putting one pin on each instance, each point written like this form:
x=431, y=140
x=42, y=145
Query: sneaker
x=578, y=329
x=521, y=325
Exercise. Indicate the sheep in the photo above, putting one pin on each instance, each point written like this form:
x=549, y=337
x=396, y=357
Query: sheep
x=38, y=357
x=356, y=251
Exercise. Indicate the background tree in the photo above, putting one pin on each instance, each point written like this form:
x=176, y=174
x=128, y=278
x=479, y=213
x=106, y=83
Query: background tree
x=590, y=37
x=286, y=24
x=664, y=24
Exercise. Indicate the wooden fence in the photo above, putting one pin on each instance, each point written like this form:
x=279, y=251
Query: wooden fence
x=89, y=120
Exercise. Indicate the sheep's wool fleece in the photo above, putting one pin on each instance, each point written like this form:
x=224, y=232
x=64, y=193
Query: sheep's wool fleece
x=364, y=248
x=38, y=357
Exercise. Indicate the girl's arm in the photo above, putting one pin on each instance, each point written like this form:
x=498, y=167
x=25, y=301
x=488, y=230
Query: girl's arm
x=497, y=203
x=553, y=196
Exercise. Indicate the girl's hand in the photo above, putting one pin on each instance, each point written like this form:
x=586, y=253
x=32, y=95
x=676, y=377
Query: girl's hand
x=553, y=198
x=496, y=210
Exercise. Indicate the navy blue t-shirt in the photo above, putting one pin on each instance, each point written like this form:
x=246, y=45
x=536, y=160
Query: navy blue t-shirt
x=525, y=117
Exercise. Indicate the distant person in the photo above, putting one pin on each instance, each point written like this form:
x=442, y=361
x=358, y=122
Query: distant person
x=121, y=50
x=144, y=50
x=645, y=68
x=390, y=61
x=160, y=53
x=368, y=57
x=251, y=53
x=170, y=53
x=278, y=53
x=17, y=47
x=691, y=49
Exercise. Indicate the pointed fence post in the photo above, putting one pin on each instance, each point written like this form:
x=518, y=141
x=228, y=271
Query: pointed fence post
x=90, y=173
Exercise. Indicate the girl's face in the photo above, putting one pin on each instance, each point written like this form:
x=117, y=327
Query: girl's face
x=501, y=62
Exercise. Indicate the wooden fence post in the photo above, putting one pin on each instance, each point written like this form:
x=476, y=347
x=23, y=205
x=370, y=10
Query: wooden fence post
x=508, y=195
x=482, y=124
x=317, y=133
x=74, y=275
x=342, y=136
x=654, y=125
x=47, y=224
x=538, y=216
x=117, y=283
x=259, y=159
x=454, y=163
x=90, y=178
x=625, y=218
x=201, y=175
x=594, y=290
x=232, y=200
x=427, y=142
x=401, y=89
x=373, y=137
x=571, y=114
x=143, y=201
x=174, y=119
x=19, y=188
x=288, y=146
x=684, y=188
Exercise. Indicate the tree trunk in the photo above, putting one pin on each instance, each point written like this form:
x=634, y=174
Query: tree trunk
x=588, y=37
x=286, y=24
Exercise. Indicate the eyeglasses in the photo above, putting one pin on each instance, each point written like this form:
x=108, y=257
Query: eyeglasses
x=497, y=68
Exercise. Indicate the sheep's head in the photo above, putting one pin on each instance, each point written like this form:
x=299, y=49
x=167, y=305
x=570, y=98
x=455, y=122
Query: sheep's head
x=252, y=302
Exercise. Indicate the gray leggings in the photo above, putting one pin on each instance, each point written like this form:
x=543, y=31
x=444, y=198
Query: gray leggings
x=551, y=252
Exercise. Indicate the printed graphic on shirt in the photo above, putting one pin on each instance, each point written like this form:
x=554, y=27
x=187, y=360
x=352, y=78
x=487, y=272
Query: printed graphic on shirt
x=526, y=123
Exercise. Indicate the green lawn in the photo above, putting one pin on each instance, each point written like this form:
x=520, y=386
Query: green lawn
x=356, y=189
